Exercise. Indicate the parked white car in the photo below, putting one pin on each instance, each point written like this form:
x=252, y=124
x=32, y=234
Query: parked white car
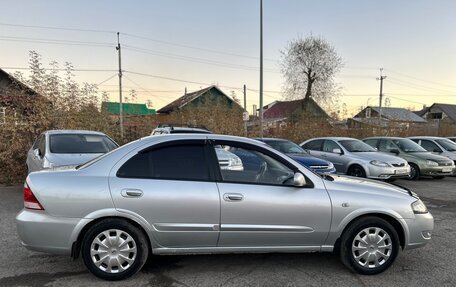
x=67, y=148
x=437, y=145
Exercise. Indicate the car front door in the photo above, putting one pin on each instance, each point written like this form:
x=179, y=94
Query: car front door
x=261, y=208
x=171, y=187
x=337, y=158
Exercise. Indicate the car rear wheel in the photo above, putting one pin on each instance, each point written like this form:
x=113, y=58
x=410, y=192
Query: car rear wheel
x=356, y=170
x=414, y=172
x=369, y=246
x=113, y=249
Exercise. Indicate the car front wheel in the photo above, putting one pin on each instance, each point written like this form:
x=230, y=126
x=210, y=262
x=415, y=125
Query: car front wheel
x=369, y=246
x=113, y=249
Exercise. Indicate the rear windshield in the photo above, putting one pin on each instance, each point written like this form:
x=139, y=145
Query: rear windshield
x=80, y=143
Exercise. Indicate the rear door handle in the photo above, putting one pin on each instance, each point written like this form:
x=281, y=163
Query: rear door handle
x=128, y=192
x=233, y=197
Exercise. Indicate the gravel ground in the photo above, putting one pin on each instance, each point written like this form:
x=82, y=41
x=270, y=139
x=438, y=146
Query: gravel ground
x=434, y=265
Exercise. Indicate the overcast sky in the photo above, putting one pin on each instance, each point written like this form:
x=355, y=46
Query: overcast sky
x=199, y=42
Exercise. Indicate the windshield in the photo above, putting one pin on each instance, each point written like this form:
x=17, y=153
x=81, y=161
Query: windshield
x=408, y=145
x=356, y=146
x=80, y=143
x=286, y=146
x=447, y=144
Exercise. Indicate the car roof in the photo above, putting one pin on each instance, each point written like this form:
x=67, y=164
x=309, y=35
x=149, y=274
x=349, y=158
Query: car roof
x=332, y=138
x=426, y=137
x=272, y=139
x=385, y=138
x=54, y=132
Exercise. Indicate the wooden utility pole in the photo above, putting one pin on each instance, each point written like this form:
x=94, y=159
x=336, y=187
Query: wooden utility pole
x=261, y=68
x=381, y=94
x=120, y=89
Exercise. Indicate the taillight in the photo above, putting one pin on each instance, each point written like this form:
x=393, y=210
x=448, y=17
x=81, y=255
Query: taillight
x=30, y=201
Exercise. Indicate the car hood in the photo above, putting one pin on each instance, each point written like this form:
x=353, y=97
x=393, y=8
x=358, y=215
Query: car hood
x=364, y=185
x=380, y=156
x=307, y=159
x=71, y=159
x=429, y=156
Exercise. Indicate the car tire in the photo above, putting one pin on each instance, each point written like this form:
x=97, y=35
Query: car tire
x=438, y=177
x=126, y=257
x=356, y=170
x=379, y=256
x=414, y=172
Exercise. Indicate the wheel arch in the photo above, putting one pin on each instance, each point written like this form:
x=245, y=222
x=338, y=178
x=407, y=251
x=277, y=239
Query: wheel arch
x=76, y=245
x=361, y=165
x=398, y=226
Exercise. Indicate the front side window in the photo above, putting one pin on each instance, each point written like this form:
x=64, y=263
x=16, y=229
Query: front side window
x=313, y=145
x=329, y=146
x=180, y=162
x=253, y=167
x=408, y=145
x=430, y=146
x=80, y=143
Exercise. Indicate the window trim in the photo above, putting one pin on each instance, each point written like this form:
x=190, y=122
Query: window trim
x=161, y=145
x=214, y=164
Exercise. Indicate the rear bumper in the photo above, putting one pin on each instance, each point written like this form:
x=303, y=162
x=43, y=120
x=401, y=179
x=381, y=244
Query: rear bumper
x=420, y=230
x=39, y=231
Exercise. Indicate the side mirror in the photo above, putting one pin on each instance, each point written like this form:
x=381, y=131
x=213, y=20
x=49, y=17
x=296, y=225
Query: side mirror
x=396, y=151
x=299, y=179
x=36, y=152
x=337, y=150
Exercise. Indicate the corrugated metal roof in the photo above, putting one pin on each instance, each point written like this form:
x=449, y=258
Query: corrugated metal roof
x=399, y=114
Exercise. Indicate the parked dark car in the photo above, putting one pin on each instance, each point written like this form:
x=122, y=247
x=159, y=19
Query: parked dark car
x=299, y=154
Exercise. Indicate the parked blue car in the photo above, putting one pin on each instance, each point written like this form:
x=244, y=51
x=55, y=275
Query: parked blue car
x=299, y=154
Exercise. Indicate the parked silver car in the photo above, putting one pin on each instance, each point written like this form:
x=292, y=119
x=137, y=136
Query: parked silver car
x=355, y=158
x=67, y=147
x=437, y=145
x=168, y=195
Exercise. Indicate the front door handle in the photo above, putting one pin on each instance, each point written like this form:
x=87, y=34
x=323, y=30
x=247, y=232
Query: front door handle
x=129, y=192
x=233, y=197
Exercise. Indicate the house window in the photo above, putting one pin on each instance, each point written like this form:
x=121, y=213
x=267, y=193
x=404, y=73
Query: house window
x=435, y=116
x=19, y=119
x=2, y=115
x=368, y=113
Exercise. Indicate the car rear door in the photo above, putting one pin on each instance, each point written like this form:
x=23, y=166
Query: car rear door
x=171, y=187
x=260, y=208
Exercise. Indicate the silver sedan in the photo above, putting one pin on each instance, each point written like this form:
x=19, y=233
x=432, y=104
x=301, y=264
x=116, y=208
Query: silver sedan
x=169, y=195
x=355, y=158
x=67, y=147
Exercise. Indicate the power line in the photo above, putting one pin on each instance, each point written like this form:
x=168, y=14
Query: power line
x=421, y=80
x=55, y=41
x=104, y=81
x=416, y=86
x=56, y=28
x=60, y=69
x=128, y=78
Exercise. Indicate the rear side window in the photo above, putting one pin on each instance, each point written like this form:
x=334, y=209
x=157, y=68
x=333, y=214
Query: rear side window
x=313, y=145
x=180, y=162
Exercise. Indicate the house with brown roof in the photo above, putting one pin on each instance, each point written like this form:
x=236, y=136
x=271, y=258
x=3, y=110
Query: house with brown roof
x=15, y=98
x=279, y=111
x=439, y=112
x=205, y=97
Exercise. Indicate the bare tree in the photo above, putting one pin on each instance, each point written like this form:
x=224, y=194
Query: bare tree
x=309, y=66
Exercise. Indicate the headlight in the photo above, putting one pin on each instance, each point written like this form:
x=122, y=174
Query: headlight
x=235, y=161
x=418, y=207
x=330, y=165
x=379, y=163
x=432, y=163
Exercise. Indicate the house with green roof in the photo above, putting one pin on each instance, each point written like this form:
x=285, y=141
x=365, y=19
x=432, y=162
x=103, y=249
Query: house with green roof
x=128, y=109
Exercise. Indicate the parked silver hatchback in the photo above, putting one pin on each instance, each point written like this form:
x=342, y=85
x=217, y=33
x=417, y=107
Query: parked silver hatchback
x=169, y=195
x=56, y=148
x=355, y=158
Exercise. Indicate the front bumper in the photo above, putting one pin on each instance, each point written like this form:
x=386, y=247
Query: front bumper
x=419, y=230
x=377, y=172
x=39, y=231
x=438, y=170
